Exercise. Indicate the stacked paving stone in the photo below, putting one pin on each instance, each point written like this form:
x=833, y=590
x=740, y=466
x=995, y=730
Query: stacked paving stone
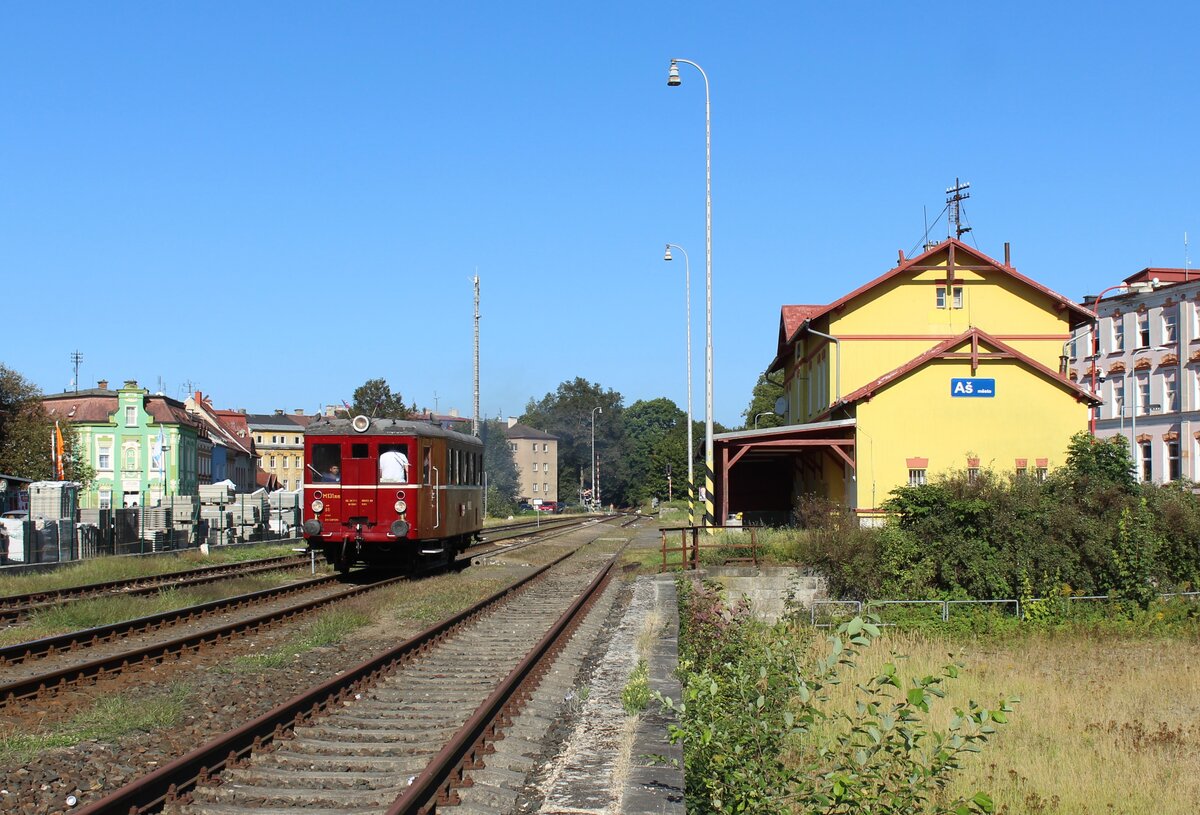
x=284, y=511
x=53, y=499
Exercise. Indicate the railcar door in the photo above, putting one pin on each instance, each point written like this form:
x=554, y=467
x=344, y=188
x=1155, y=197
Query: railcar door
x=359, y=483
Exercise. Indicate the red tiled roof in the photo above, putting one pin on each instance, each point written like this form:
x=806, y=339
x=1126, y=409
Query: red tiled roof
x=1165, y=275
x=84, y=409
x=937, y=351
x=792, y=316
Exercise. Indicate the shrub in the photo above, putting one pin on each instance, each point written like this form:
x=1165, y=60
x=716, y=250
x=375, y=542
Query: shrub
x=761, y=736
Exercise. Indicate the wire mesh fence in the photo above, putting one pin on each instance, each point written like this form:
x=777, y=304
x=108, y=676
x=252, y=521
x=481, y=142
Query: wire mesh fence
x=828, y=613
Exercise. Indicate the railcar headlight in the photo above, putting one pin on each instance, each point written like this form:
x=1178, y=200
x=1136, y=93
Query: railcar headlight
x=317, y=505
x=312, y=527
x=401, y=506
x=399, y=528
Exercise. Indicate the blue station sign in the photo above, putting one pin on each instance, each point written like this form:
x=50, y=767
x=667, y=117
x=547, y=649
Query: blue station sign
x=972, y=387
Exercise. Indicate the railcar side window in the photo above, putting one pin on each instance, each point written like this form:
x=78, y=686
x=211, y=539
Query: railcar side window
x=425, y=464
x=360, y=451
x=327, y=461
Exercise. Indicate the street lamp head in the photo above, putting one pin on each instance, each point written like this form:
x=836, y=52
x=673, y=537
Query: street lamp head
x=673, y=76
x=667, y=256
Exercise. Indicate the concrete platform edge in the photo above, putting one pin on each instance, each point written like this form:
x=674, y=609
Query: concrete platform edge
x=656, y=788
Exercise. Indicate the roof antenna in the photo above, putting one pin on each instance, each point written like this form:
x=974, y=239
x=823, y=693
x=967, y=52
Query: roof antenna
x=957, y=195
x=1186, y=260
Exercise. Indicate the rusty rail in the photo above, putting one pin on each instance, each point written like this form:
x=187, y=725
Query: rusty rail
x=177, y=779
x=15, y=607
x=436, y=785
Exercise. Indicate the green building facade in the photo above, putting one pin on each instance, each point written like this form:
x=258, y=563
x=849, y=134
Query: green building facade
x=144, y=447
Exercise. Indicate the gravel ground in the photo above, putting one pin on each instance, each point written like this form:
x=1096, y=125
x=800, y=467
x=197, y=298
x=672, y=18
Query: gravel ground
x=222, y=700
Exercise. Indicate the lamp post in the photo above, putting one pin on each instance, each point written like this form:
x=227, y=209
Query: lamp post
x=767, y=413
x=595, y=492
x=673, y=80
x=1095, y=343
x=687, y=273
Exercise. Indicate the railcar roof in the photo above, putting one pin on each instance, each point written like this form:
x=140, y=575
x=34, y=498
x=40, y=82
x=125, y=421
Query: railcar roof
x=386, y=427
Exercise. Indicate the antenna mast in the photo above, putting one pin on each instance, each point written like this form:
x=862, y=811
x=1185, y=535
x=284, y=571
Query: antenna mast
x=475, y=411
x=77, y=357
x=957, y=194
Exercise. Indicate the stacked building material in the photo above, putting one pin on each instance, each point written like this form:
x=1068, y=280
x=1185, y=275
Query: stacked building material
x=53, y=499
x=45, y=541
x=88, y=535
x=221, y=493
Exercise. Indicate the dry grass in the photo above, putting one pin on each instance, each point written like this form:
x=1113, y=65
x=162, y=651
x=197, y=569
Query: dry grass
x=1106, y=725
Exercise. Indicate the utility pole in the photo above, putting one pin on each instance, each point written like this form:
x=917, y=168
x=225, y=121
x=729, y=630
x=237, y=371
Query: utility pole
x=957, y=194
x=475, y=411
x=77, y=358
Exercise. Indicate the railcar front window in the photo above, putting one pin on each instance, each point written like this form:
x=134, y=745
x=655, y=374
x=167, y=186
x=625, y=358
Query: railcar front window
x=393, y=463
x=326, y=462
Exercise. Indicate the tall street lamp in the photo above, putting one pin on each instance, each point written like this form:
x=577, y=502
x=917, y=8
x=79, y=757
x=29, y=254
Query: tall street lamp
x=673, y=80
x=687, y=276
x=595, y=492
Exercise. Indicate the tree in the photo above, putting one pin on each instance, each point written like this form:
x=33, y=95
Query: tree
x=26, y=431
x=1105, y=460
x=375, y=398
x=502, y=482
x=762, y=400
x=566, y=414
x=656, y=431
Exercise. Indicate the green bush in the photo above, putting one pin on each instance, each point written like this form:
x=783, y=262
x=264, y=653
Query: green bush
x=760, y=734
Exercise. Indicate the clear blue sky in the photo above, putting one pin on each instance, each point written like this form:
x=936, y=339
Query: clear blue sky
x=168, y=170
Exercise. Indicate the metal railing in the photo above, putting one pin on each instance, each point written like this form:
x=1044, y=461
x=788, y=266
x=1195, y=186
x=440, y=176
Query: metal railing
x=689, y=551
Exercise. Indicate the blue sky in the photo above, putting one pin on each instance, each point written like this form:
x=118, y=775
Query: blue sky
x=167, y=170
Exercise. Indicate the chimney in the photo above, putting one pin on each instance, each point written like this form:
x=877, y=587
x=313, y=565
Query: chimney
x=512, y=420
x=454, y=413
x=103, y=383
x=329, y=410
x=1007, y=254
x=130, y=383
x=298, y=411
x=278, y=411
x=901, y=253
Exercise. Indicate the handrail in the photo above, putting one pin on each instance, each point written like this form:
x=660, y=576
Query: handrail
x=437, y=499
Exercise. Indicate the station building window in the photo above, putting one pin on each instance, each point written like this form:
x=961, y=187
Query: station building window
x=916, y=477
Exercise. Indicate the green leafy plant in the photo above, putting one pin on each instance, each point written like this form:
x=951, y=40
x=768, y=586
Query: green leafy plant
x=762, y=733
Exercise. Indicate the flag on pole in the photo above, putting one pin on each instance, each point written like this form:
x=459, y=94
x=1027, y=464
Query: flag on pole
x=58, y=452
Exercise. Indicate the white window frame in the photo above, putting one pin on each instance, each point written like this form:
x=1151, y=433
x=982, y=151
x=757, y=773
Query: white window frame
x=917, y=476
x=1170, y=393
x=131, y=415
x=1118, y=334
x=1170, y=328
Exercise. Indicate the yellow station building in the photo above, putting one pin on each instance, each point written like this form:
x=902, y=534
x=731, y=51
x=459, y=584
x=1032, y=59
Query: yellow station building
x=948, y=361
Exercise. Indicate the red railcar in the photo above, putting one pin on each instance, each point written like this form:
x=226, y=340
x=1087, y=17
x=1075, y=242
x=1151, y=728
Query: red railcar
x=390, y=492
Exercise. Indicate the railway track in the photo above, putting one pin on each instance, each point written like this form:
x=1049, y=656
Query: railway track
x=399, y=733
x=15, y=608
x=89, y=655
x=42, y=682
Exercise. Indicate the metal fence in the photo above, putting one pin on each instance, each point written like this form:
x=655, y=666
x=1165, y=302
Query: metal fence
x=942, y=608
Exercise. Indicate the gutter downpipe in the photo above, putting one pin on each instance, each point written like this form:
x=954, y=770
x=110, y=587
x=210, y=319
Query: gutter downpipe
x=838, y=375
